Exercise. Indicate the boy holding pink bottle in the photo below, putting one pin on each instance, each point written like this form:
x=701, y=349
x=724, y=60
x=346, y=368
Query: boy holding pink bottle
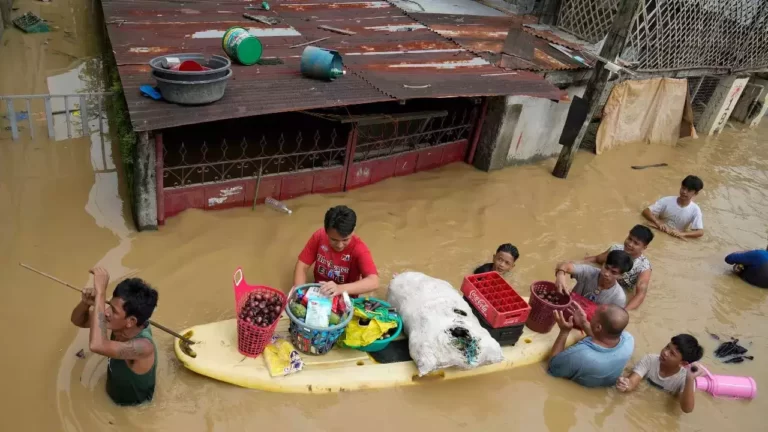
x=672, y=371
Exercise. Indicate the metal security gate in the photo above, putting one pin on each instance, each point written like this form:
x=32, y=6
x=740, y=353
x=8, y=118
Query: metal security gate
x=701, y=90
x=18, y=109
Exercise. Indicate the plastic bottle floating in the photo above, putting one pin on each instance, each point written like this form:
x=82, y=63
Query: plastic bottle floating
x=277, y=205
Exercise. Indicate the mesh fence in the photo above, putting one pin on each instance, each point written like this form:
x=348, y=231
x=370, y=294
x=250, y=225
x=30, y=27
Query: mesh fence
x=679, y=34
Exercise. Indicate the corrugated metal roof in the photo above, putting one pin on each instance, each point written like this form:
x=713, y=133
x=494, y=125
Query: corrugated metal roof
x=391, y=56
x=486, y=37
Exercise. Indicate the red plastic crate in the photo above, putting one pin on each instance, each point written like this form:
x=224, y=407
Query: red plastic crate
x=588, y=306
x=495, y=299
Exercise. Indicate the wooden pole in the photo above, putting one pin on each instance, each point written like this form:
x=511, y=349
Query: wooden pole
x=614, y=44
x=68, y=285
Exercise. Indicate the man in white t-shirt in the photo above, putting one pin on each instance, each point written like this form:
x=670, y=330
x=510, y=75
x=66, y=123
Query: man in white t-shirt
x=679, y=216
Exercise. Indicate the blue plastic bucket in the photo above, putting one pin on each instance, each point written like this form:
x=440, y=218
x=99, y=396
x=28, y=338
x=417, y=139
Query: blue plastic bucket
x=321, y=63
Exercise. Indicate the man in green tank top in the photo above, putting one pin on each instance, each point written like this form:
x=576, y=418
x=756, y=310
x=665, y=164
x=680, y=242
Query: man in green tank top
x=130, y=348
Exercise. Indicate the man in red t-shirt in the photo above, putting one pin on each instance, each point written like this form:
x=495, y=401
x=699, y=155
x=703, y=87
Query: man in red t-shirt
x=342, y=261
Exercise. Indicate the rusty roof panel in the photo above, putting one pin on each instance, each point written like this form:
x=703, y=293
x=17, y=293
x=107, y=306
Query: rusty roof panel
x=390, y=56
x=556, y=36
x=485, y=36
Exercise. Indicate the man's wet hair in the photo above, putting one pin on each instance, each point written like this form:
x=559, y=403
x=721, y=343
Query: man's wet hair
x=510, y=249
x=693, y=183
x=642, y=233
x=689, y=347
x=341, y=218
x=620, y=260
x=139, y=299
x=613, y=319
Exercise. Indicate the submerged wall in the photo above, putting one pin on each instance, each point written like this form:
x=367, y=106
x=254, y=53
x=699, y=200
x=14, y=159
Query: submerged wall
x=5, y=14
x=521, y=129
x=753, y=103
x=721, y=105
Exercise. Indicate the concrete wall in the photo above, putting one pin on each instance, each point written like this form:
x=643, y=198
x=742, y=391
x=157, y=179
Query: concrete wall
x=145, y=183
x=5, y=15
x=753, y=103
x=721, y=105
x=537, y=131
x=520, y=129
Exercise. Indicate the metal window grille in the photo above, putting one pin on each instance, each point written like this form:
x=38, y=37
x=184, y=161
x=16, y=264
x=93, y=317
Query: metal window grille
x=191, y=162
x=701, y=90
x=587, y=19
x=400, y=136
x=679, y=34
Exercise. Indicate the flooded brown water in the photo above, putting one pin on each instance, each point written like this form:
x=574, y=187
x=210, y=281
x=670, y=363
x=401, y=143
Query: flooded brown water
x=63, y=210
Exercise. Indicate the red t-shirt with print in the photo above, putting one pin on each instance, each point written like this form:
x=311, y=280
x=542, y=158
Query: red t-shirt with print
x=350, y=265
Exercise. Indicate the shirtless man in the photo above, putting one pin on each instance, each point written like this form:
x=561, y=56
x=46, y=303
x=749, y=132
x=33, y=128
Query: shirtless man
x=679, y=216
x=131, y=350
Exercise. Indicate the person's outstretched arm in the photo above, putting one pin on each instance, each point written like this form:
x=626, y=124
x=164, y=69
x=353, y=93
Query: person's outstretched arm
x=598, y=259
x=641, y=288
x=687, y=398
x=363, y=286
x=81, y=314
x=629, y=383
x=300, y=273
x=747, y=258
x=650, y=217
x=690, y=234
x=562, y=272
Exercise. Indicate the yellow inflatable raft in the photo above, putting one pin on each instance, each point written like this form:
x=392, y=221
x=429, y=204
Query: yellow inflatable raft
x=216, y=356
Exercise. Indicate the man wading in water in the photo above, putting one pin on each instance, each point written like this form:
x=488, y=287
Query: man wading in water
x=674, y=214
x=131, y=351
x=638, y=277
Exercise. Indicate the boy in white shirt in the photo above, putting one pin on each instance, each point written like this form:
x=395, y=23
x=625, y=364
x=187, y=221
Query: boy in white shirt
x=679, y=216
x=672, y=371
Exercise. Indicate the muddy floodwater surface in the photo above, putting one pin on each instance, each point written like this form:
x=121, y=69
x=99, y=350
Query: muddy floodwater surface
x=63, y=209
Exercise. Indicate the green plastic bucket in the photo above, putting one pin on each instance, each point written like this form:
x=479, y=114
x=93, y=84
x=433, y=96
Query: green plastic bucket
x=241, y=46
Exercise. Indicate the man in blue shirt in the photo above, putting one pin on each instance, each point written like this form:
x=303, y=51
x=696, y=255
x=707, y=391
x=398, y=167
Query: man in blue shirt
x=752, y=266
x=599, y=359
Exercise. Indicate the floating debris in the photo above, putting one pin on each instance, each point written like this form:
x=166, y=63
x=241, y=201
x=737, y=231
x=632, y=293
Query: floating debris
x=738, y=359
x=640, y=167
x=31, y=23
x=731, y=348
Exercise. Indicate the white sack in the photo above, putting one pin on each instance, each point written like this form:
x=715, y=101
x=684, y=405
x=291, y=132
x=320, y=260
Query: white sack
x=432, y=310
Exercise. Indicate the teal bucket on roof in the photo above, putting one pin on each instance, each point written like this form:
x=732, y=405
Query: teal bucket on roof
x=321, y=63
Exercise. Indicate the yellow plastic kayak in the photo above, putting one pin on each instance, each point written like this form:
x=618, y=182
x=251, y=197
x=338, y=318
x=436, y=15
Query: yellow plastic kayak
x=341, y=369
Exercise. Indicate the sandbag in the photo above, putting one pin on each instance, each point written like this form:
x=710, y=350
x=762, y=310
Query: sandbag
x=441, y=329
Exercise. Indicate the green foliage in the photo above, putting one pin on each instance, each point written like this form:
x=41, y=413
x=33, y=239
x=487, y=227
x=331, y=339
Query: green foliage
x=120, y=122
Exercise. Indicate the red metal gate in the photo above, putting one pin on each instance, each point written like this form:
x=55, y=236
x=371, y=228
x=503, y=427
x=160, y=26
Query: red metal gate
x=374, y=149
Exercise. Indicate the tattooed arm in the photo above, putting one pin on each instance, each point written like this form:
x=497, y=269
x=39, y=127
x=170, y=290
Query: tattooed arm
x=99, y=341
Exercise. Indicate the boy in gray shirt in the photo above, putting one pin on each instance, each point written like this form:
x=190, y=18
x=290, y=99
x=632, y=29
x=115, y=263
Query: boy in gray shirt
x=599, y=285
x=670, y=370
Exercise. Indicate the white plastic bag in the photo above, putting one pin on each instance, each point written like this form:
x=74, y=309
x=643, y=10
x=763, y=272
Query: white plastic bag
x=442, y=331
